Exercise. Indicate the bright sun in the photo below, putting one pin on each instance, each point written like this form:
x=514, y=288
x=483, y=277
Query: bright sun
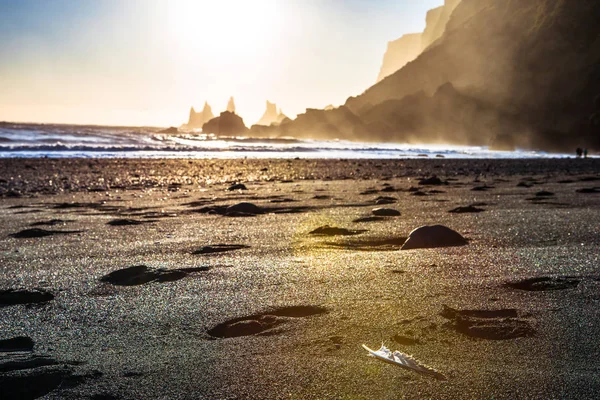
x=224, y=27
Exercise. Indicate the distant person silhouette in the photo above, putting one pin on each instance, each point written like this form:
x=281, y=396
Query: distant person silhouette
x=585, y=153
x=579, y=152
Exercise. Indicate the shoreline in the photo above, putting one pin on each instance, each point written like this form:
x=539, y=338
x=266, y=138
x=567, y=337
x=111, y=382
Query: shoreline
x=54, y=176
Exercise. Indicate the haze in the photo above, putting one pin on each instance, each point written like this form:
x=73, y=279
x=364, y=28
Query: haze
x=146, y=62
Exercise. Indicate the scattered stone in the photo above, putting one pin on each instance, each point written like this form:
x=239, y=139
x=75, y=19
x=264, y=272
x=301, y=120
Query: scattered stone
x=220, y=248
x=369, y=219
x=589, y=190
x=467, y=209
x=483, y=188
x=243, y=209
x=20, y=296
x=284, y=200
x=327, y=230
x=385, y=212
x=382, y=200
x=543, y=193
x=237, y=186
x=39, y=233
x=322, y=197
x=124, y=222
x=262, y=323
x=16, y=344
x=545, y=283
x=433, y=181
x=524, y=184
x=141, y=274
x=489, y=324
x=370, y=244
x=433, y=236
x=31, y=386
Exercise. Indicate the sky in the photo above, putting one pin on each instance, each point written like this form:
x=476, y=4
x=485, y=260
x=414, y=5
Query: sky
x=146, y=62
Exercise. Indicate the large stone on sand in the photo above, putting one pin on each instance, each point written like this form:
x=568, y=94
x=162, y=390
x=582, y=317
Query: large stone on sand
x=432, y=236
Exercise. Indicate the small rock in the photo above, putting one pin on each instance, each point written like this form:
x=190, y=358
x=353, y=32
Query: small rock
x=434, y=180
x=20, y=343
x=124, y=222
x=237, y=186
x=386, y=212
x=334, y=231
x=369, y=219
x=467, y=209
x=243, y=208
x=17, y=296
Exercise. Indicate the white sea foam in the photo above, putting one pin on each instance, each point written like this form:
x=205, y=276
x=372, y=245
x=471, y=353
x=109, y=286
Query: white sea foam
x=33, y=140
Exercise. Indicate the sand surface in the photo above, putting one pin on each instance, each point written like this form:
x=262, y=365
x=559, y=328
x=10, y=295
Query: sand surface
x=223, y=304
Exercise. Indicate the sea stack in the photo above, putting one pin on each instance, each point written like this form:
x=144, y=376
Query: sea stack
x=272, y=116
x=227, y=124
x=197, y=119
x=231, y=105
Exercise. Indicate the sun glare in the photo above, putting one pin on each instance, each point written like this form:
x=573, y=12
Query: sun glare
x=223, y=27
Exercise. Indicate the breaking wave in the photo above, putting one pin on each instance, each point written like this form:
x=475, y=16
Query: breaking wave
x=37, y=140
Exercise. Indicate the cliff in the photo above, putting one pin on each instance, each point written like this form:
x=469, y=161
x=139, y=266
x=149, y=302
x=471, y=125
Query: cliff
x=404, y=50
x=536, y=62
x=436, y=21
x=399, y=53
x=197, y=119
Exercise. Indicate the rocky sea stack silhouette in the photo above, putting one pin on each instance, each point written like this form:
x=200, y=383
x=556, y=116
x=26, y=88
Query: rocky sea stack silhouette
x=197, y=119
x=271, y=116
x=226, y=124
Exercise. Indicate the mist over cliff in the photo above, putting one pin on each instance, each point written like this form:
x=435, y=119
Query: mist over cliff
x=408, y=47
x=503, y=72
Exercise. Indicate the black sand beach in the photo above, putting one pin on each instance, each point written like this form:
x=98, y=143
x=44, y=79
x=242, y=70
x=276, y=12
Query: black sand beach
x=128, y=279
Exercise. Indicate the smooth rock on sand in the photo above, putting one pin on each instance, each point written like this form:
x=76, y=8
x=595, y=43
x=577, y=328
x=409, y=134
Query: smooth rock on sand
x=16, y=344
x=21, y=296
x=433, y=236
x=237, y=186
x=386, y=212
x=327, y=230
x=466, y=210
x=244, y=208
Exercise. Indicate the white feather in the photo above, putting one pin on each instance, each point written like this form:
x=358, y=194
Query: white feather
x=403, y=360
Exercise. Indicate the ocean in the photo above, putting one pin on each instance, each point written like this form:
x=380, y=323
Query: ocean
x=19, y=140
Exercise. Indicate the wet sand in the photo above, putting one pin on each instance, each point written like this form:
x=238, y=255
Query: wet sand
x=148, y=279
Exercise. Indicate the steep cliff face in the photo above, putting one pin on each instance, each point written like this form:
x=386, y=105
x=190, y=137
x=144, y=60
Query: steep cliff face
x=399, y=53
x=536, y=62
x=197, y=119
x=436, y=22
x=402, y=51
x=336, y=123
